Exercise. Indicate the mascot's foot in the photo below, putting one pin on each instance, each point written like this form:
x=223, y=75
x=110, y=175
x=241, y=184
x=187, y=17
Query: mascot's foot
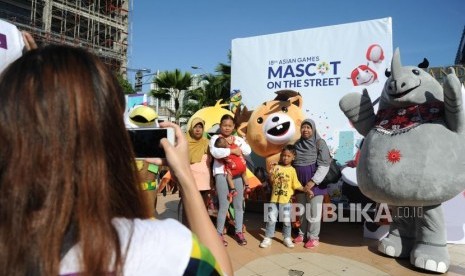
x=396, y=246
x=430, y=257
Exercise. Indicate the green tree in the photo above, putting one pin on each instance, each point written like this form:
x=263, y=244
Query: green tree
x=193, y=101
x=223, y=78
x=125, y=84
x=211, y=90
x=169, y=85
x=216, y=86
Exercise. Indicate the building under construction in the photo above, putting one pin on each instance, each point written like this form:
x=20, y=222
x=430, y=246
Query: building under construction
x=101, y=26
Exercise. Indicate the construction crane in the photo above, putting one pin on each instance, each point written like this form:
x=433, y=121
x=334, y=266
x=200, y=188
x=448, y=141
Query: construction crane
x=138, y=77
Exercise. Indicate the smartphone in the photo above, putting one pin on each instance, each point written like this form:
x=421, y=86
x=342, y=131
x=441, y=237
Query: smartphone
x=146, y=141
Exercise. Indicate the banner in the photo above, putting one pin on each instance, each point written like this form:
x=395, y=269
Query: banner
x=454, y=219
x=322, y=64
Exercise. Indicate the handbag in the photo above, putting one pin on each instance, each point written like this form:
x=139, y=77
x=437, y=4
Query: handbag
x=333, y=174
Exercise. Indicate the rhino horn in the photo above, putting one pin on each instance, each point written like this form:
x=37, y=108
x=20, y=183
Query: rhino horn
x=396, y=65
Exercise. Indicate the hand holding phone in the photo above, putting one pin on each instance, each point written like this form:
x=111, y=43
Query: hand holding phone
x=177, y=154
x=146, y=141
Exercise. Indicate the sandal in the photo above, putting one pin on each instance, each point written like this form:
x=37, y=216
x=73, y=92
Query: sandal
x=225, y=243
x=240, y=238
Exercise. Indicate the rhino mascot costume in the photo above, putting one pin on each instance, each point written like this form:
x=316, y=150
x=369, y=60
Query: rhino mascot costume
x=413, y=158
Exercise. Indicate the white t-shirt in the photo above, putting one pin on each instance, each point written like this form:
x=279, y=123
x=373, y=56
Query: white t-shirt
x=157, y=247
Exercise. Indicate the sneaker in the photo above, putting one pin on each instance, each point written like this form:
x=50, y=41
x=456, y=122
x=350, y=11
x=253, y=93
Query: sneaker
x=311, y=243
x=265, y=243
x=225, y=243
x=241, y=239
x=299, y=239
x=287, y=242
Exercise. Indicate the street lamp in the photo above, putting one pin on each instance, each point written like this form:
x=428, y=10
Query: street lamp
x=200, y=68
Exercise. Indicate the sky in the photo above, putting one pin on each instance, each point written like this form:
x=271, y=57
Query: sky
x=169, y=35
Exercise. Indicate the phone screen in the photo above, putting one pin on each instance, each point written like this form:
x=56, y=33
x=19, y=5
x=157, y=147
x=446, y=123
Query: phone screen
x=146, y=142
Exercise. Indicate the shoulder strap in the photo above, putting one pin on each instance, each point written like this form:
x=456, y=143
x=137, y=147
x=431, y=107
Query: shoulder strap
x=69, y=240
x=318, y=145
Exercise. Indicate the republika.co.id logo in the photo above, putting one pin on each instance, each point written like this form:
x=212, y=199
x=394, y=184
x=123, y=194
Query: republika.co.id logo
x=330, y=212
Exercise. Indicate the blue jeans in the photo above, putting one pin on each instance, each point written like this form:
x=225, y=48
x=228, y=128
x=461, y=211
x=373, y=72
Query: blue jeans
x=222, y=189
x=275, y=210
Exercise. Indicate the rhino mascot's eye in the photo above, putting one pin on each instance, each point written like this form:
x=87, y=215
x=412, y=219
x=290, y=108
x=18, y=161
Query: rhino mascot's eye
x=284, y=109
x=416, y=72
x=260, y=120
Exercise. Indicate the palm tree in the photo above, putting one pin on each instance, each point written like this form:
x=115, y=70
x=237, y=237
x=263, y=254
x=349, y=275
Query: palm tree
x=207, y=94
x=169, y=85
x=224, y=77
x=215, y=87
x=193, y=101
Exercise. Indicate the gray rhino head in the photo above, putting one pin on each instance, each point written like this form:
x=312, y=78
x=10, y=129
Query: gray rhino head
x=409, y=85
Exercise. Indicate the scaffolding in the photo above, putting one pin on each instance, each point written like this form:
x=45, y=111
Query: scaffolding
x=100, y=26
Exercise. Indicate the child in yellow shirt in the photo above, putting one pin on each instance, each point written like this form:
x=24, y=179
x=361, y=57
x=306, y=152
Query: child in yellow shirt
x=283, y=184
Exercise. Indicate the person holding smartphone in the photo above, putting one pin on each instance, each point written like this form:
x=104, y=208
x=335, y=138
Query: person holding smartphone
x=81, y=209
x=227, y=127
